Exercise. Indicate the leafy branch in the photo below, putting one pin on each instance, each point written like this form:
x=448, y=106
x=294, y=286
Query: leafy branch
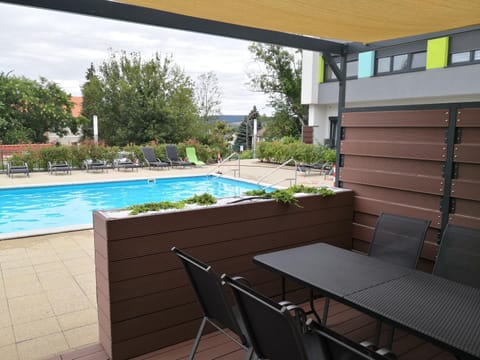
x=203, y=199
x=287, y=196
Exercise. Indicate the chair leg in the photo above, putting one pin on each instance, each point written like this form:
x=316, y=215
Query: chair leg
x=250, y=354
x=197, y=339
x=378, y=329
x=390, y=338
x=326, y=305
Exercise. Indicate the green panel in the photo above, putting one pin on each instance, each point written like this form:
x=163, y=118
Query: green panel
x=321, y=69
x=437, y=53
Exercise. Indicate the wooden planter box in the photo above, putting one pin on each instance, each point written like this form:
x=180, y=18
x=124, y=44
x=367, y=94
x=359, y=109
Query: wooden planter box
x=145, y=301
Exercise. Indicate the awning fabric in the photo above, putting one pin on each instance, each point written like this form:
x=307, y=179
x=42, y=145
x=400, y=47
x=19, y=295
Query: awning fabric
x=363, y=21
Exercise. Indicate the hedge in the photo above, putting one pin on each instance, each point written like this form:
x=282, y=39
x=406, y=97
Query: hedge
x=37, y=159
x=279, y=152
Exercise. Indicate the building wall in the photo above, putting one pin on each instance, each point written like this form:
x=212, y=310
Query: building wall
x=440, y=80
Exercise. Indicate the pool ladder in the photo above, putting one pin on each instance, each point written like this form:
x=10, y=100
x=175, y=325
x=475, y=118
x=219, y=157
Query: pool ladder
x=294, y=179
x=236, y=171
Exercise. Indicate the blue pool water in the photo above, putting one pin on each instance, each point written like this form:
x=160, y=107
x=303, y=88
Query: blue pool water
x=47, y=207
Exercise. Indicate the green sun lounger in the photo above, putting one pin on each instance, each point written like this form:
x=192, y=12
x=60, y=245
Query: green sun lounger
x=192, y=156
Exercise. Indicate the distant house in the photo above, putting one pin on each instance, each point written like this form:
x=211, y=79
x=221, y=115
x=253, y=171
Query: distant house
x=69, y=138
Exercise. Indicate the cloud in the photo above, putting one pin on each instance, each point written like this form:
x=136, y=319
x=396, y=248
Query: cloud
x=61, y=47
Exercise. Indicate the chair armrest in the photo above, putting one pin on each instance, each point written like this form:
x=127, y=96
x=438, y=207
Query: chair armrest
x=242, y=280
x=387, y=353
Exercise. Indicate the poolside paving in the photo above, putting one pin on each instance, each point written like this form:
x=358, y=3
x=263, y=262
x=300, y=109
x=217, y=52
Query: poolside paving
x=47, y=283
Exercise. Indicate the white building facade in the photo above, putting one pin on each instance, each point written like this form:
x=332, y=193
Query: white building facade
x=440, y=70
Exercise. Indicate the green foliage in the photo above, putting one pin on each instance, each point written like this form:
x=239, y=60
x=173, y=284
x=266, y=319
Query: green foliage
x=139, y=101
x=28, y=109
x=156, y=206
x=287, y=196
x=244, y=134
x=247, y=154
x=281, y=151
x=282, y=81
x=203, y=199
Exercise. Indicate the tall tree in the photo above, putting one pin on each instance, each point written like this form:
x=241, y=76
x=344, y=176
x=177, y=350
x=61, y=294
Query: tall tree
x=281, y=80
x=29, y=109
x=244, y=134
x=208, y=96
x=138, y=101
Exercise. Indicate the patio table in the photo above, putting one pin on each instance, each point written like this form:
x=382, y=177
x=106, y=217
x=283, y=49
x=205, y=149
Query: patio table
x=436, y=309
x=441, y=311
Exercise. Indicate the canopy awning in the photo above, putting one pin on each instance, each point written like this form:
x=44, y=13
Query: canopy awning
x=325, y=26
x=363, y=21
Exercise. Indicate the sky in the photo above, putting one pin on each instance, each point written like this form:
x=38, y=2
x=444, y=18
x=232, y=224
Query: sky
x=61, y=46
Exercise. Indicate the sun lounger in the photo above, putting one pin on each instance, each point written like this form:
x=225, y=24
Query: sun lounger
x=59, y=167
x=151, y=160
x=95, y=165
x=172, y=156
x=13, y=169
x=192, y=156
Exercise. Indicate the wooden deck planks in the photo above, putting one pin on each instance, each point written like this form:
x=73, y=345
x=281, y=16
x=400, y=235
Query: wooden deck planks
x=343, y=319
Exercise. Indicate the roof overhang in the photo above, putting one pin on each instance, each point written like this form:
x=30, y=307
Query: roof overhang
x=305, y=24
x=355, y=21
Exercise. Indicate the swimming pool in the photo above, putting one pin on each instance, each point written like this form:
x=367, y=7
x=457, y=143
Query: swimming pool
x=46, y=209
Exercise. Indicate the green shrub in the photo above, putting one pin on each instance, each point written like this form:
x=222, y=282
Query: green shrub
x=281, y=151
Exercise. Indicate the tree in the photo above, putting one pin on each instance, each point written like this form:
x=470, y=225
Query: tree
x=208, y=96
x=281, y=80
x=244, y=134
x=139, y=101
x=29, y=109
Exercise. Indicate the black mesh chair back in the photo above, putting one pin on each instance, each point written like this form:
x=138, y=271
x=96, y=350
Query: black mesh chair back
x=459, y=255
x=398, y=239
x=281, y=331
x=273, y=331
x=209, y=291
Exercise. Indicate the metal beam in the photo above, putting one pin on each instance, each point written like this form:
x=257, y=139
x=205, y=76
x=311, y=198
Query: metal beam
x=333, y=65
x=124, y=12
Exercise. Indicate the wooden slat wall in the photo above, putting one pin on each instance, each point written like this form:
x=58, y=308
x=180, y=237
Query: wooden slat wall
x=394, y=162
x=466, y=183
x=145, y=301
x=307, y=134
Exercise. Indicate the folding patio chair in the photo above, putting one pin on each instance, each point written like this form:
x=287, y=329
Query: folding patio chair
x=216, y=308
x=459, y=255
x=281, y=331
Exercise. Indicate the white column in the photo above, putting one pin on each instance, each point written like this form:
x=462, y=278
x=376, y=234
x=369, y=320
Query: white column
x=95, y=129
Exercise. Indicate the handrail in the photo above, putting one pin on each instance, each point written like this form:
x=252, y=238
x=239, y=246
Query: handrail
x=278, y=168
x=217, y=169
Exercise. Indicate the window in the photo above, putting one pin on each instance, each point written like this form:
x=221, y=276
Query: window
x=419, y=60
x=400, y=62
x=383, y=65
x=460, y=57
x=476, y=55
x=352, y=69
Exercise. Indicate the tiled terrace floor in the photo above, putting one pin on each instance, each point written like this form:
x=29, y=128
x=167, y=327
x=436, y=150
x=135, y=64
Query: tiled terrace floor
x=47, y=295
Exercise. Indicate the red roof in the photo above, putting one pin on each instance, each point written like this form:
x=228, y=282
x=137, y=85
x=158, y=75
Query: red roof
x=77, y=105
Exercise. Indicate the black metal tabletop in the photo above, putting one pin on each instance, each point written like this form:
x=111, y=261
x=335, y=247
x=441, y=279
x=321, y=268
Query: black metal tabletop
x=437, y=309
x=330, y=270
